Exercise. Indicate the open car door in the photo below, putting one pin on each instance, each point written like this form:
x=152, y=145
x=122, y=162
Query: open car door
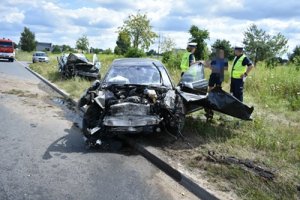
x=193, y=88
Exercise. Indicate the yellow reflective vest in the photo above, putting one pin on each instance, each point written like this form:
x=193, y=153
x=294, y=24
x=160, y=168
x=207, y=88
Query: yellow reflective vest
x=185, y=62
x=238, y=69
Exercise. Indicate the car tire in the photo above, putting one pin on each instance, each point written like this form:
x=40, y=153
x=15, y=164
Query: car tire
x=180, y=110
x=175, y=124
x=90, y=119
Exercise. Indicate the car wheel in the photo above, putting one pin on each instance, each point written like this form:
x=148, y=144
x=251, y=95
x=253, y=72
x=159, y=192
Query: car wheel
x=91, y=119
x=179, y=113
x=175, y=124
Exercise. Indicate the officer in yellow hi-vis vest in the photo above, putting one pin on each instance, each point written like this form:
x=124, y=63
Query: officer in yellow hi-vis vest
x=188, y=57
x=240, y=70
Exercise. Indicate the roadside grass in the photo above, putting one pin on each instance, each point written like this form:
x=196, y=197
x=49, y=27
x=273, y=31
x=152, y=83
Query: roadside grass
x=272, y=139
x=278, y=88
x=273, y=145
x=24, y=56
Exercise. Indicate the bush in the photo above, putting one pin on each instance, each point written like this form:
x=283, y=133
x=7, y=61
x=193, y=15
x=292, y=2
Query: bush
x=172, y=59
x=107, y=51
x=56, y=49
x=135, y=53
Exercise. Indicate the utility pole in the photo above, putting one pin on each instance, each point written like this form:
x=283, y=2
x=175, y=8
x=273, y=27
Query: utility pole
x=158, y=46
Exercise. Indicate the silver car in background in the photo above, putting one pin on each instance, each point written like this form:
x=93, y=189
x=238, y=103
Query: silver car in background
x=40, y=56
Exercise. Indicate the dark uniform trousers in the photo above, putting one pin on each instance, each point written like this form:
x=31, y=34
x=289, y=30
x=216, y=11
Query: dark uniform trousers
x=236, y=88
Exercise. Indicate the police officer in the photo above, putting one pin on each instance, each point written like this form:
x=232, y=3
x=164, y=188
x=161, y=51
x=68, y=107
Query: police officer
x=188, y=57
x=240, y=70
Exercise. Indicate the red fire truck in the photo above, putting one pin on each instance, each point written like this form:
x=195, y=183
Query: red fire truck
x=7, y=50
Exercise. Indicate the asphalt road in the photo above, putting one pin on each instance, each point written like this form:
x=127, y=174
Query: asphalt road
x=42, y=153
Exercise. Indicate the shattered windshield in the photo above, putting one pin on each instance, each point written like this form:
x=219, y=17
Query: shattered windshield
x=141, y=75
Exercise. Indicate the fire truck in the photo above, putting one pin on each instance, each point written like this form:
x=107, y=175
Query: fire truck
x=7, y=50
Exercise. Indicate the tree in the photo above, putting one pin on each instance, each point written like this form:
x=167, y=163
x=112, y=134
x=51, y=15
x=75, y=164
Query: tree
x=225, y=45
x=56, y=49
x=199, y=36
x=66, y=48
x=168, y=44
x=123, y=43
x=172, y=59
x=152, y=52
x=107, y=51
x=134, y=53
x=139, y=29
x=27, y=40
x=261, y=46
x=82, y=43
x=296, y=52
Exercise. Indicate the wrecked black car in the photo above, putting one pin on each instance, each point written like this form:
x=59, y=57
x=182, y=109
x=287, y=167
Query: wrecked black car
x=75, y=64
x=137, y=96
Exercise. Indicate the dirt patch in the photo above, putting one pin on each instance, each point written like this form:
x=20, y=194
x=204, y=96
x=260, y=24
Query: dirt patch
x=11, y=85
x=20, y=93
x=14, y=91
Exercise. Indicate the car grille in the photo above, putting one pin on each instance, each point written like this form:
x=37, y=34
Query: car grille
x=129, y=108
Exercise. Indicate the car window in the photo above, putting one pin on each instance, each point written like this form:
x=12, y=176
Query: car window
x=41, y=54
x=143, y=75
x=193, y=74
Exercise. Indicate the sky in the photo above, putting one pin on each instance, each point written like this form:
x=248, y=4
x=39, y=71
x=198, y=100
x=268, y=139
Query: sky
x=63, y=22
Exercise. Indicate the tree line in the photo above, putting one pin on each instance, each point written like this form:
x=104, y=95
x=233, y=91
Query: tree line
x=136, y=35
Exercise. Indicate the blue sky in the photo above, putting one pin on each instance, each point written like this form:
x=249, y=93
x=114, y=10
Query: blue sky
x=62, y=22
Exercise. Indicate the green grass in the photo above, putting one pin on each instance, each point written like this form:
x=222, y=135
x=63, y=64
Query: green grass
x=24, y=56
x=272, y=139
x=278, y=87
x=276, y=149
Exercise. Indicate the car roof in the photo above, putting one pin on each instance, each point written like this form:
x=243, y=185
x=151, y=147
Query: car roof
x=135, y=61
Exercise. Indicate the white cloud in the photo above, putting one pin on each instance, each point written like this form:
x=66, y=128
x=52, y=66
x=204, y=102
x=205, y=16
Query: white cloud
x=14, y=17
x=64, y=21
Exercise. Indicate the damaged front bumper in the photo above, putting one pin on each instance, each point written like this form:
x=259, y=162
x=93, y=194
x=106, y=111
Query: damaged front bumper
x=130, y=121
x=132, y=124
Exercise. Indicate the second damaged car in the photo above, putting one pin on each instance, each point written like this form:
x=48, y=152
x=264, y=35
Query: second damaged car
x=138, y=96
x=75, y=64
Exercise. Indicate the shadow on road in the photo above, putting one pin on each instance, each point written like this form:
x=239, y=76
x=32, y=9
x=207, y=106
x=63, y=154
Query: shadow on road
x=73, y=142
